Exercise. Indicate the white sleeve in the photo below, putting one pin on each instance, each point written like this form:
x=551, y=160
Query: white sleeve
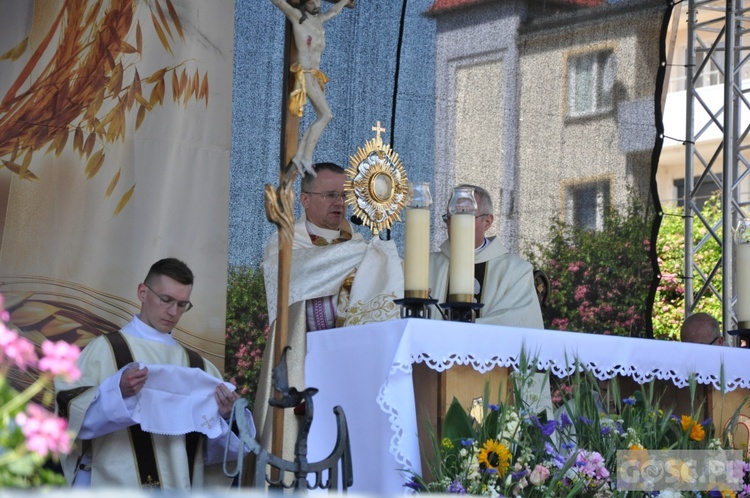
x=109, y=411
x=214, y=452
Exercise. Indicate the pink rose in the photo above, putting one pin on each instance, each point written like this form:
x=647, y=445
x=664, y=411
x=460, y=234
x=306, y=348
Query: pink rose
x=539, y=475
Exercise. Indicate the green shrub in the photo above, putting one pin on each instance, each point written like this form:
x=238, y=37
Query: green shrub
x=669, y=304
x=247, y=328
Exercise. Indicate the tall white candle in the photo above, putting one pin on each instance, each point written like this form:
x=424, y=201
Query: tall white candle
x=742, y=265
x=417, y=253
x=461, y=269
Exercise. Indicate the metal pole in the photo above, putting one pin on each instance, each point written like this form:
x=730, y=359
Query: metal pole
x=729, y=165
x=689, y=157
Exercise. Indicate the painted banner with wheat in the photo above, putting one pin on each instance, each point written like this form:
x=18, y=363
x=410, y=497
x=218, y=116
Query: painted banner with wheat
x=114, y=153
x=86, y=92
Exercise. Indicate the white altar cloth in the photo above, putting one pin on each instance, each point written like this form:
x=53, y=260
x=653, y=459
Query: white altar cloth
x=367, y=370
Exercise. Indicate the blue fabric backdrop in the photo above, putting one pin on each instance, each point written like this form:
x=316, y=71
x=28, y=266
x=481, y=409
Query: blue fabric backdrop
x=361, y=58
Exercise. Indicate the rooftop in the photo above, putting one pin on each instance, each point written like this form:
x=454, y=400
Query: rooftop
x=440, y=6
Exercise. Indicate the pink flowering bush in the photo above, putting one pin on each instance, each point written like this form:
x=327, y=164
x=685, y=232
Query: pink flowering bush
x=247, y=329
x=599, y=280
x=30, y=435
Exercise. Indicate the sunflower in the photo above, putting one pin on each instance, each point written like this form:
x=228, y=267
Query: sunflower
x=494, y=455
x=690, y=425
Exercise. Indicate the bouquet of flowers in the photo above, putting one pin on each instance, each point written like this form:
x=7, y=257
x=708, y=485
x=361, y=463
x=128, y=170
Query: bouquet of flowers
x=510, y=449
x=30, y=435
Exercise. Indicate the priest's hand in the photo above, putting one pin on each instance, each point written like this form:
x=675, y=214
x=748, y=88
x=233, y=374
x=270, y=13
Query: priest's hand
x=132, y=380
x=225, y=399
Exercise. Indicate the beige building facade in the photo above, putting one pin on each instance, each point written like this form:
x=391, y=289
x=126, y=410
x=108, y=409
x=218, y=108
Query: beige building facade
x=549, y=108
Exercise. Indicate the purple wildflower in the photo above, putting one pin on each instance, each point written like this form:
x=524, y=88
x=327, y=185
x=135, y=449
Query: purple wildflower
x=565, y=420
x=456, y=488
x=519, y=474
x=548, y=428
x=414, y=484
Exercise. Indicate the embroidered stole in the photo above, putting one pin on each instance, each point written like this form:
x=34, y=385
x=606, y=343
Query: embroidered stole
x=322, y=312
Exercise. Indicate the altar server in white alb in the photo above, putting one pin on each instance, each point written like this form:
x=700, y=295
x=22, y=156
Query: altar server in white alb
x=504, y=282
x=148, y=412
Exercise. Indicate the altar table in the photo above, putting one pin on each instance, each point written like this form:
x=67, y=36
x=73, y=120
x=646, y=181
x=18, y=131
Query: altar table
x=367, y=369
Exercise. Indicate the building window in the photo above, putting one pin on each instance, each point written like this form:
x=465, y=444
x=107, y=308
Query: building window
x=707, y=189
x=711, y=73
x=591, y=78
x=586, y=204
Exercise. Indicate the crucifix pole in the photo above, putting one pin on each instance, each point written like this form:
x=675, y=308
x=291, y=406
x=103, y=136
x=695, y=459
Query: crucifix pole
x=280, y=201
x=280, y=210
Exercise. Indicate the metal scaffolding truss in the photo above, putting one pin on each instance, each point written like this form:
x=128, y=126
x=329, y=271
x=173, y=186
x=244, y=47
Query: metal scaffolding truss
x=715, y=34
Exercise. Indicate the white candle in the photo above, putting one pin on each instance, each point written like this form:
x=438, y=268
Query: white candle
x=417, y=253
x=742, y=264
x=461, y=270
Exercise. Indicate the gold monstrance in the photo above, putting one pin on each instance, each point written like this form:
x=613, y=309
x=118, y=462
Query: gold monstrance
x=376, y=185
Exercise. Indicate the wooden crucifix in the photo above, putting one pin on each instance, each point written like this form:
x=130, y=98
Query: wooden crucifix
x=303, y=47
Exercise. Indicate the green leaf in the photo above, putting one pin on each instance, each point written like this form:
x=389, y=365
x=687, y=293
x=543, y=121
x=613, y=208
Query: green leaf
x=25, y=465
x=457, y=424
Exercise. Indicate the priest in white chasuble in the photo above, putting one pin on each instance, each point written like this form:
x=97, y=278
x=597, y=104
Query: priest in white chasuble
x=337, y=279
x=503, y=282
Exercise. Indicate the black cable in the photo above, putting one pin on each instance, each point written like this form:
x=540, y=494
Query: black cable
x=655, y=155
x=437, y=307
x=399, y=45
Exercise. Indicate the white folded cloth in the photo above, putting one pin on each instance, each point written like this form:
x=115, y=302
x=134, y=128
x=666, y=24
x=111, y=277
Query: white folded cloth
x=178, y=400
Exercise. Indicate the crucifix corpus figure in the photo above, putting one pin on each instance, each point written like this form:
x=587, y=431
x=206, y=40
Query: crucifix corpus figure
x=309, y=37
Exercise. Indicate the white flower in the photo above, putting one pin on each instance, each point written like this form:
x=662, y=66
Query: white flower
x=714, y=444
x=510, y=428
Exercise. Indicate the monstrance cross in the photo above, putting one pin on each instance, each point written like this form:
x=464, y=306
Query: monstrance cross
x=378, y=130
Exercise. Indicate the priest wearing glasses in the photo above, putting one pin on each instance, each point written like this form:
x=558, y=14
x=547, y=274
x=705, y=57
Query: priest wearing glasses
x=503, y=282
x=337, y=279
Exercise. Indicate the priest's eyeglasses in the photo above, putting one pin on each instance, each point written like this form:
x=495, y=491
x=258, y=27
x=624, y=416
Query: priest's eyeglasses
x=168, y=301
x=447, y=217
x=329, y=196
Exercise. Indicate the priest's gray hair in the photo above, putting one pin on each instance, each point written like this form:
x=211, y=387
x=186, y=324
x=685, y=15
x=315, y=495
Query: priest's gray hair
x=484, y=201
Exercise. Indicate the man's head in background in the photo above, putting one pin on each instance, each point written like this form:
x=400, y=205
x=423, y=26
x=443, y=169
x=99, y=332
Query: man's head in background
x=701, y=328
